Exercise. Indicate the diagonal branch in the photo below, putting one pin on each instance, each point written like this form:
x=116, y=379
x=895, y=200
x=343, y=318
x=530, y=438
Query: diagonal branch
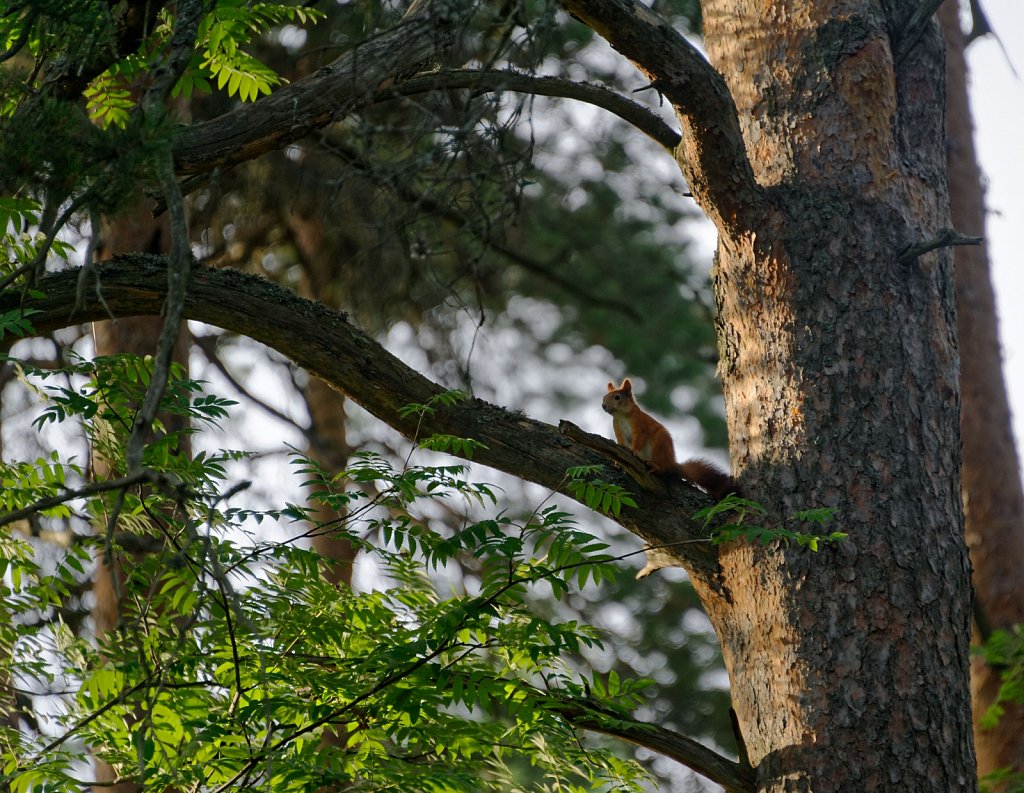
x=733, y=776
x=712, y=154
x=946, y=238
x=919, y=20
x=355, y=79
x=69, y=494
x=326, y=345
x=428, y=206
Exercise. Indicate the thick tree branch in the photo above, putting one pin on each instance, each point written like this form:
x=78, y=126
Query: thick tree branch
x=326, y=345
x=355, y=79
x=712, y=154
x=733, y=776
x=624, y=458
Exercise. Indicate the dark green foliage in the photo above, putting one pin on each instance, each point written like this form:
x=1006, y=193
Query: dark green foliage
x=1004, y=650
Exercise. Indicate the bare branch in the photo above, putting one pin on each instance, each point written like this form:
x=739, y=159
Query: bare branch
x=353, y=80
x=550, y=271
x=733, y=776
x=712, y=154
x=87, y=490
x=208, y=346
x=632, y=112
x=981, y=27
x=944, y=239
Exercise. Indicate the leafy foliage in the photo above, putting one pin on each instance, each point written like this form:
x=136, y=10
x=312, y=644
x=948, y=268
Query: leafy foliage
x=22, y=251
x=1004, y=650
x=739, y=529
x=220, y=59
x=598, y=495
x=64, y=52
x=234, y=658
x=459, y=168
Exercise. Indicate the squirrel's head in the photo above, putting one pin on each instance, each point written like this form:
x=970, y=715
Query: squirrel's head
x=618, y=399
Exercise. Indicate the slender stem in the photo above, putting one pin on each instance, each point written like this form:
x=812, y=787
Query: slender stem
x=69, y=495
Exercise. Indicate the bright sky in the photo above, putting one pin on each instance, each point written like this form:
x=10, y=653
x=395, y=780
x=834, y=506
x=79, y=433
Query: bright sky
x=997, y=99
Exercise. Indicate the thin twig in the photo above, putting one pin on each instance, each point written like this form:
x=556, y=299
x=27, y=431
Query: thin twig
x=70, y=495
x=178, y=266
x=179, y=260
x=121, y=697
x=88, y=259
x=44, y=250
x=208, y=347
x=549, y=270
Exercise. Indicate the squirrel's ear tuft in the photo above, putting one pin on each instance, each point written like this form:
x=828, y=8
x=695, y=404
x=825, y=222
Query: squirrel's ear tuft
x=626, y=385
x=611, y=386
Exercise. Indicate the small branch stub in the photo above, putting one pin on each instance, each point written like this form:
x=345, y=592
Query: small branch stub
x=620, y=455
x=944, y=239
x=657, y=558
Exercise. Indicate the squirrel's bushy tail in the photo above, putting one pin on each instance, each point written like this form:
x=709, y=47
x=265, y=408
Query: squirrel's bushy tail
x=708, y=477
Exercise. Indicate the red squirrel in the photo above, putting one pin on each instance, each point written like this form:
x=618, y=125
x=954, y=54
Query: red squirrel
x=651, y=442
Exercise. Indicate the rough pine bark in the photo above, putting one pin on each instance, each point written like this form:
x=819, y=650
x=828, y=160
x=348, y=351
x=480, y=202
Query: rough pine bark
x=993, y=500
x=840, y=371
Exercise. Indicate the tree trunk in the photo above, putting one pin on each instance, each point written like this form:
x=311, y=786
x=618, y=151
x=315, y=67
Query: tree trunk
x=840, y=370
x=133, y=230
x=326, y=407
x=993, y=500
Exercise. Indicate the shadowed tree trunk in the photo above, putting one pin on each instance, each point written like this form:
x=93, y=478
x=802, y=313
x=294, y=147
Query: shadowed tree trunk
x=134, y=230
x=840, y=371
x=993, y=501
